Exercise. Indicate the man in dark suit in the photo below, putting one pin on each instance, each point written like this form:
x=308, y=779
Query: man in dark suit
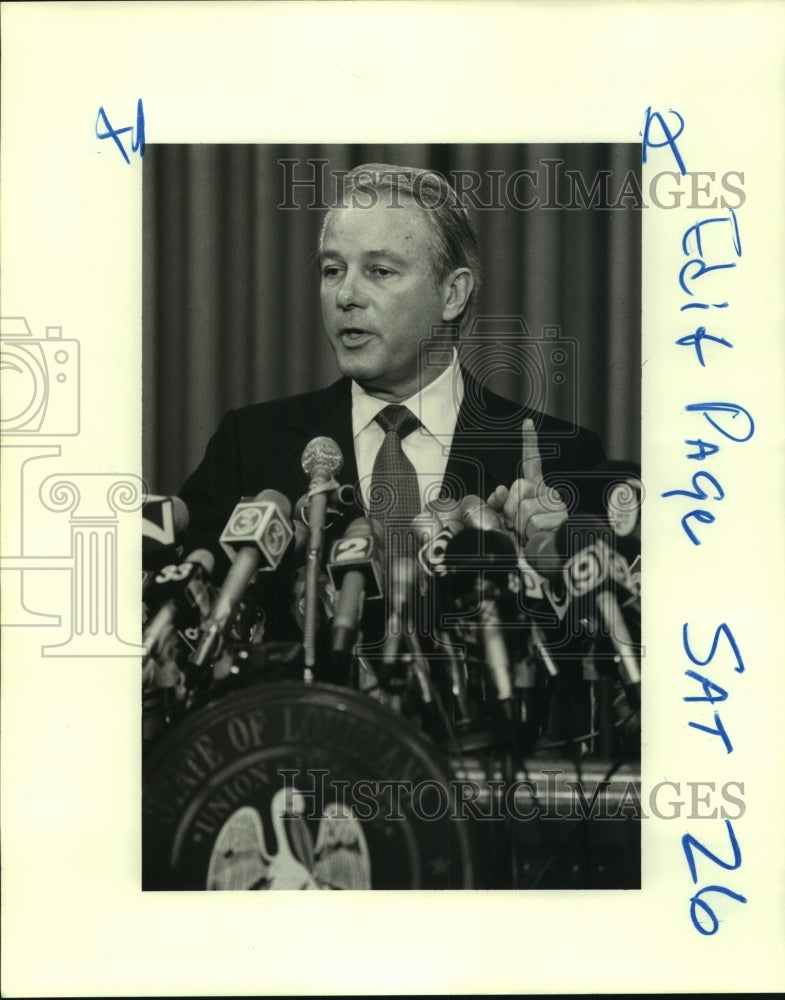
x=400, y=270
x=399, y=266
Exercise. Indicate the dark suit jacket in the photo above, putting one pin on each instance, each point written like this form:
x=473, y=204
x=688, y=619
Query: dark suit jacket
x=260, y=446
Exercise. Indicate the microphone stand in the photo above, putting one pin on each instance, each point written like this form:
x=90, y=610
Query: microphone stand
x=321, y=459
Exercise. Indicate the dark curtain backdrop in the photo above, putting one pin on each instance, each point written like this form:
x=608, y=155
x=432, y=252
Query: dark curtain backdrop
x=231, y=305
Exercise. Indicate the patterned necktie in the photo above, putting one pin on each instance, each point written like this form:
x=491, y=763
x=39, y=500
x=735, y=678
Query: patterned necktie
x=394, y=493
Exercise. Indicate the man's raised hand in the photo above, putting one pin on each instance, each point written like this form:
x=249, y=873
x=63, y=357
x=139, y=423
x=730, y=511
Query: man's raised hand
x=529, y=505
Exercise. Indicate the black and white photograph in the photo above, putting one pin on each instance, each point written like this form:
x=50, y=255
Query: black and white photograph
x=434, y=680
x=355, y=359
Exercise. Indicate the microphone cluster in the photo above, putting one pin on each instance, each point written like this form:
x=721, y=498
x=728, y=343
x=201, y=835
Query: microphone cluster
x=448, y=620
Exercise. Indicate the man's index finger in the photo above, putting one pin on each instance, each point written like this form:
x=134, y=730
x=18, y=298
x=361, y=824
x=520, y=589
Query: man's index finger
x=532, y=463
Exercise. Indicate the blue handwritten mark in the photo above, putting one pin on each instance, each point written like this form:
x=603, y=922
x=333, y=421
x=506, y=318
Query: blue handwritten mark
x=698, y=515
x=710, y=255
x=696, y=268
x=722, y=630
x=718, y=730
x=698, y=493
x=702, y=269
x=733, y=408
x=690, y=845
x=698, y=226
x=669, y=137
x=705, y=449
x=712, y=693
x=137, y=132
x=697, y=901
x=704, y=305
x=695, y=339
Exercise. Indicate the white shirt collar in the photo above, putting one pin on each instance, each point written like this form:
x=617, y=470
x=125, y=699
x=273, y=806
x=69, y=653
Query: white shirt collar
x=436, y=405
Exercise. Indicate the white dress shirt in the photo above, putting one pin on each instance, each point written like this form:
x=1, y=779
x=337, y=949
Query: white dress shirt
x=427, y=448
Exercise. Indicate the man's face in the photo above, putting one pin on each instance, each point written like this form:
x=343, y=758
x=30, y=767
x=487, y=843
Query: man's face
x=379, y=295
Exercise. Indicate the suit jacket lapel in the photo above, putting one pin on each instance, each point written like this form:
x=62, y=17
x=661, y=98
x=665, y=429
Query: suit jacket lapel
x=481, y=457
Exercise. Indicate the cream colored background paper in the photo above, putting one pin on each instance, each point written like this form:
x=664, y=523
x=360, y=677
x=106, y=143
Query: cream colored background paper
x=74, y=920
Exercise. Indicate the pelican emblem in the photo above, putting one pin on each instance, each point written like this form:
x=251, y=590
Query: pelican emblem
x=240, y=858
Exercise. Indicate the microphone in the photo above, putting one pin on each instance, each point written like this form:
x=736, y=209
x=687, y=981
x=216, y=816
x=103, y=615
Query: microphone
x=297, y=570
x=613, y=491
x=325, y=603
x=321, y=459
x=478, y=564
x=436, y=536
x=425, y=525
x=549, y=551
x=355, y=571
x=625, y=658
x=497, y=659
x=475, y=599
x=471, y=513
x=476, y=513
x=616, y=495
x=340, y=500
x=535, y=596
x=403, y=577
x=580, y=553
x=164, y=520
x=186, y=599
x=476, y=552
x=183, y=597
x=262, y=524
x=256, y=537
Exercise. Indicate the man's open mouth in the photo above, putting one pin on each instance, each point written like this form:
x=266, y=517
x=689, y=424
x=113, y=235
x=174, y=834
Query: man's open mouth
x=353, y=336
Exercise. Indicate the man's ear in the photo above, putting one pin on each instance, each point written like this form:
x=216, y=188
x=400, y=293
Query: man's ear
x=457, y=287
